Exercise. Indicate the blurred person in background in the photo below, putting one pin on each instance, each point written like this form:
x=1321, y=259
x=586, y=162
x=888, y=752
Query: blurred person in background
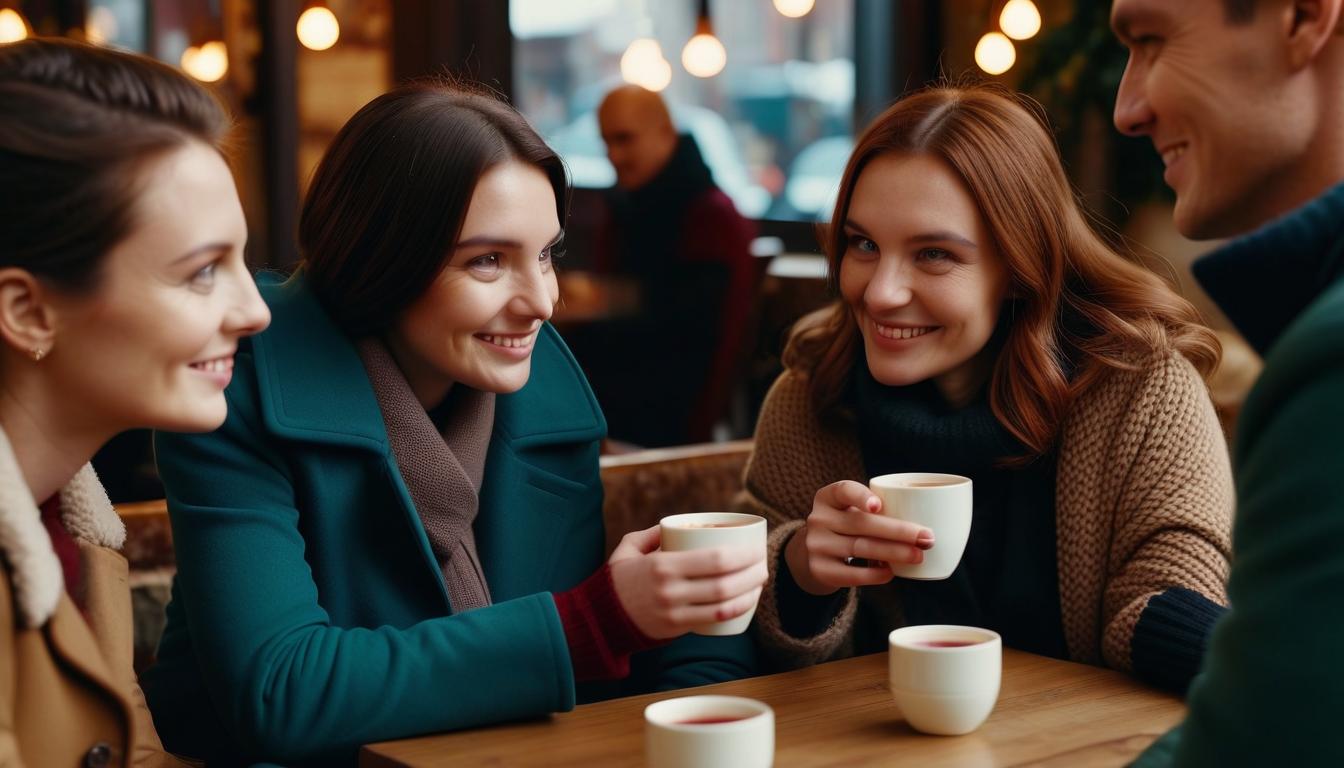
x=123, y=296
x=664, y=376
x=1244, y=100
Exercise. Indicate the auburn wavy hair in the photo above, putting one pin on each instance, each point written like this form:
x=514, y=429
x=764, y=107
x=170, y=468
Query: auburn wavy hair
x=1079, y=308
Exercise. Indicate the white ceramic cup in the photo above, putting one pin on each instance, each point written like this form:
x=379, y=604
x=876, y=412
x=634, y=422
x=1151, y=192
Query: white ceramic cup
x=746, y=740
x=702, y=530
x=944, y=689
x=941, y=503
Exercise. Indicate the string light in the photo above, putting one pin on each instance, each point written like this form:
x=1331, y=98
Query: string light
x=794, y=9
x=995, y=53
x=12, y=26
x=704, y=55
x=643, y=64
x=208, y=63
x=318, y=28
x=1020, y=20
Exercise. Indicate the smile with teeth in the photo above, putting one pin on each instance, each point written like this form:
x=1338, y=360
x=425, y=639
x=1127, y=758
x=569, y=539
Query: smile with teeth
x=513, y=342
x=892, y=332
x=1172, y=154
x=216, y=365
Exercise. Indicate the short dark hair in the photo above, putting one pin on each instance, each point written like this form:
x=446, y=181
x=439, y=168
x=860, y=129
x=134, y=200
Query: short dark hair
x=1239, y=11
x=389, y=198
x=75, y=122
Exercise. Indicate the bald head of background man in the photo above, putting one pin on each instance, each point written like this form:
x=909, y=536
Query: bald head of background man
x=639, y=134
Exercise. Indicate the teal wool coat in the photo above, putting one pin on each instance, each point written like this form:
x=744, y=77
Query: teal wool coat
x=309, y=614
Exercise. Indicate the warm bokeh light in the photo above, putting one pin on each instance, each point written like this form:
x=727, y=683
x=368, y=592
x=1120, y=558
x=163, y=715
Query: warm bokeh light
x=704, y=55
x=318, y=29
x=12, y=26
x=643, y=64
x=794, y=9
x=208, y=63
x=995, y=53
x=1020, y=20
x=101, y=25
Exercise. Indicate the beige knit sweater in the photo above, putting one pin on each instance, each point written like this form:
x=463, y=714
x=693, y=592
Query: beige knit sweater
x=1143, y=502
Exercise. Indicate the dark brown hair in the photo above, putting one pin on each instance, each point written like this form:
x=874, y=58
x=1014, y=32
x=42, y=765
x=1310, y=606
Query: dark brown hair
x=1078, y=305
x=389, y=198
x=75, y=122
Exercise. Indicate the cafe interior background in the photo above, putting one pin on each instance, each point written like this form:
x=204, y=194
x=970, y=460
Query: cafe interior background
x=772, y=90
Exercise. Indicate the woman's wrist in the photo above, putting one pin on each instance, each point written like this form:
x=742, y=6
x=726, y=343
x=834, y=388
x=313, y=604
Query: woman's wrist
x=795, y=558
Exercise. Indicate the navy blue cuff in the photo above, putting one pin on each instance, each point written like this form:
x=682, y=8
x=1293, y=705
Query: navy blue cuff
x=1171, y=637
x=801, y=613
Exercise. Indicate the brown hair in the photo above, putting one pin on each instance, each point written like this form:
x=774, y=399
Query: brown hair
x=389, y=198
x=1077, y=305
x=75, y=122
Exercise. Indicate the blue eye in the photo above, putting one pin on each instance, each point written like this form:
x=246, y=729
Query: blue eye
x=205, y=276
x=935, y=255
x=862, y=244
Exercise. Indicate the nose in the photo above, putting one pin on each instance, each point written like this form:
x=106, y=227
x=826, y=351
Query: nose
x=1133, y=115
x=535, y=293
x=249, y=314
x=891, y=287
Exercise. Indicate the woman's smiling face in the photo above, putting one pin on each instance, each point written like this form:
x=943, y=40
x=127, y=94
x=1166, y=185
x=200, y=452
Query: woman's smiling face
x=478, y=322
x=920, y=271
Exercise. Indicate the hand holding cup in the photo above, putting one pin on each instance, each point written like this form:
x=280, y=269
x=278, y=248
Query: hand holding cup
x=669, y=593
x=848, y=541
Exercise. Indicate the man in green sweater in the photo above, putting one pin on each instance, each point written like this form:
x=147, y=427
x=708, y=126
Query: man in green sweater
x=1244, y=99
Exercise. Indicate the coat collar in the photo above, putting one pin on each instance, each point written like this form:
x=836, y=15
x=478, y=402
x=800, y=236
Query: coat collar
x=35, y=571
x=314, y=386
x=1264, y=280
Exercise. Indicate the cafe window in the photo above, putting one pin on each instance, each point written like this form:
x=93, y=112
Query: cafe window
x=775, y=124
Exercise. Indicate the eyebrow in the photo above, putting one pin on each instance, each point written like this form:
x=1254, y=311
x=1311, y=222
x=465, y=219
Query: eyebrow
x=501, y=242
x=937, y=236
x=1124, y=20
x=201, y=250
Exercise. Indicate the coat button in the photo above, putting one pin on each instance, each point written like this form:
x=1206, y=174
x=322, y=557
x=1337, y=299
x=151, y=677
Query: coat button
x=99, y=756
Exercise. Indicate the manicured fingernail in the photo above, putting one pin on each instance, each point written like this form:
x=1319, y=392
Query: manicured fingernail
x=924, y=540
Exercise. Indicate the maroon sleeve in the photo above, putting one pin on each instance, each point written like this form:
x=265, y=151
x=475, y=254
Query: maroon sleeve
x=599, y=632
x=716, y=232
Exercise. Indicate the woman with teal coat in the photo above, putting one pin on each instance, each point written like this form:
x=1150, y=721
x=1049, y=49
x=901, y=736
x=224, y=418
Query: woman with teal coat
x=398, y=529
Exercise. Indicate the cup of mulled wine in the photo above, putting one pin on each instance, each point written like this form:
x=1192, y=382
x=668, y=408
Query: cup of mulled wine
x=944, y=678
x=941, y=503
x=709, y=732
x=702, y=530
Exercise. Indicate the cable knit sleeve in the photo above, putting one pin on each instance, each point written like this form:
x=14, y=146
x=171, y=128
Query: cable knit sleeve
x=1150, y=498
x=793, y=457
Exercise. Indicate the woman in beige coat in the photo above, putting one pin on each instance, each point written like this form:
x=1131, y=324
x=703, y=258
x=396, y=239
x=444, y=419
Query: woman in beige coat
x=123, y=294
x=984, y=330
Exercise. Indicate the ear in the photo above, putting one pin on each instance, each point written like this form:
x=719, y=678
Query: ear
x=27, y=319
x=1310, y=26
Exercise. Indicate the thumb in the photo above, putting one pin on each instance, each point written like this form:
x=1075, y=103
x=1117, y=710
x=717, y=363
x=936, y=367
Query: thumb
x=641, y=542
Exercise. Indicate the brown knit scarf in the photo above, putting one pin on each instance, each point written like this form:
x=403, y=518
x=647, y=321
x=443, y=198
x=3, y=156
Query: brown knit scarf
x=442, y=472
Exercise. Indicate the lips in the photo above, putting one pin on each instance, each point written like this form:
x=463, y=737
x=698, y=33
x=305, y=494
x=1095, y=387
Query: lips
x=1172, y=153
x=509, y=341
x=222, y=364
x=903, y=331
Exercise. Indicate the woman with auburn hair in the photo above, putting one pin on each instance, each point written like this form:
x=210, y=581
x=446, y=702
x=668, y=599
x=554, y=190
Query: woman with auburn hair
x=123, y=295
x=985, y=330
x=398, y=530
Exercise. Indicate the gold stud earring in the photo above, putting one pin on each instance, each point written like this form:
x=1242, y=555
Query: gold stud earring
x=38, y=353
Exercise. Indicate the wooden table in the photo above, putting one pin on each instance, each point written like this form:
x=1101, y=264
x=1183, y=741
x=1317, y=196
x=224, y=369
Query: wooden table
x=1050, y=713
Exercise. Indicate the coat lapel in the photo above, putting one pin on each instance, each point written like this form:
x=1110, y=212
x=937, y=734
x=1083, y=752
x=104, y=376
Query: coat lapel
x=314, y=388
